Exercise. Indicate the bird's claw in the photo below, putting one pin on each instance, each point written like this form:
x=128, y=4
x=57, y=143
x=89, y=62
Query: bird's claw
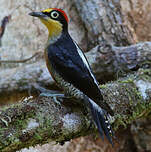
x=54, y=96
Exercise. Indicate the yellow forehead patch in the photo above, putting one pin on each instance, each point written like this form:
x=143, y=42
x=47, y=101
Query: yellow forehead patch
x=47, y=10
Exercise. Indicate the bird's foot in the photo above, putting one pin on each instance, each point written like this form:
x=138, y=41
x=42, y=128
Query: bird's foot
x=57, y=97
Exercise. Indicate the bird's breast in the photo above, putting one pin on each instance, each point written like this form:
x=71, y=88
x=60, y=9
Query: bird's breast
x=49, y=65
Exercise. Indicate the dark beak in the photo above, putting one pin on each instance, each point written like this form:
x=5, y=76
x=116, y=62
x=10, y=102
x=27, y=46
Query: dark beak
x=38, y=14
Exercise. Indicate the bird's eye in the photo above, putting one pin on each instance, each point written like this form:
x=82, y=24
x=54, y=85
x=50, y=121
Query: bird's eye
x=54, y=14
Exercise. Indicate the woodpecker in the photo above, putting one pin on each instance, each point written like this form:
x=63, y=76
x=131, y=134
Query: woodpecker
x=70, y=69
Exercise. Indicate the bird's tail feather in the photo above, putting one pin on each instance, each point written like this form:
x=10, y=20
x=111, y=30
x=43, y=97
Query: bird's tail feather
x=101, y=120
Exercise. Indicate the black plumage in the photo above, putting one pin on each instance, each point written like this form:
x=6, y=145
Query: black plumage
x=65, y=59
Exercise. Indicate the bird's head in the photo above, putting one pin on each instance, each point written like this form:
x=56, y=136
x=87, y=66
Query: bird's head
x=54, y=19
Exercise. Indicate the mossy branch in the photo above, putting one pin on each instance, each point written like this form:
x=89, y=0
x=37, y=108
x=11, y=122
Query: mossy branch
x=38, y=121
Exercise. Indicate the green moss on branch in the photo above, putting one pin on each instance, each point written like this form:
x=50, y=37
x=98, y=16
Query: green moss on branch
x=38, y=121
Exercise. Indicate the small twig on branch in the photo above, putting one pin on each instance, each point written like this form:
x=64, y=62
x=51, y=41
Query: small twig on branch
x=20, y=61
x=4, y=22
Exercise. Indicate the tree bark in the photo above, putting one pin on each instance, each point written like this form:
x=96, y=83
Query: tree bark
x=103, y=21
x=38, y=121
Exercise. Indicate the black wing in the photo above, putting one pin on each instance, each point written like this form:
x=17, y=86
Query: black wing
x=74, y=68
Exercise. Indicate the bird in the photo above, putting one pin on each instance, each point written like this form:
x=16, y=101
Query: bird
x=71, y=70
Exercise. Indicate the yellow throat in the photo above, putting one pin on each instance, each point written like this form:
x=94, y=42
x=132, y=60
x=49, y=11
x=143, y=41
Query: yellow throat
x=54, y=27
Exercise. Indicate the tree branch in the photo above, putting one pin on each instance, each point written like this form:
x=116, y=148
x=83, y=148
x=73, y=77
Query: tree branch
x=38, y=121
x=20, y=61
x=108, y=63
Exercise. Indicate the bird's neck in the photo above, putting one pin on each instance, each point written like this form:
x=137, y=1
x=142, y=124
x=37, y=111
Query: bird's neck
x=56, y=37
x=53, y=38
x=55, y=33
